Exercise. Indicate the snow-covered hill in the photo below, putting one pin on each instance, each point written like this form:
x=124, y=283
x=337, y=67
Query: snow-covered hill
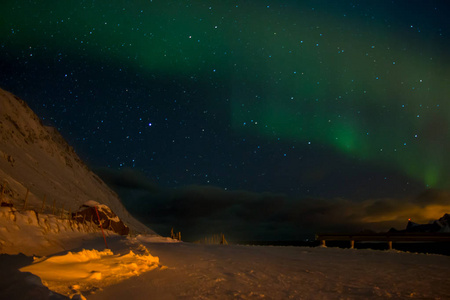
x=37, y=158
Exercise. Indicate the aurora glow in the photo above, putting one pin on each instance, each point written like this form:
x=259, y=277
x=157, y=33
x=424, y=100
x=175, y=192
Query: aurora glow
x=245, y=89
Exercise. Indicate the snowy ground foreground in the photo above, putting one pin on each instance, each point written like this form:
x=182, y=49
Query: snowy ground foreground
x=86, y=271
x=192, y=271
x=55, y=271
x=72, y=261
x=253, y=272
x=89, y=270
x=69, y=274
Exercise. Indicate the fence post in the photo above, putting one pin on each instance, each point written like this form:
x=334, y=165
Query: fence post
x=223, y=241
x=2, y=191
x=43, y=204
x=26, y=199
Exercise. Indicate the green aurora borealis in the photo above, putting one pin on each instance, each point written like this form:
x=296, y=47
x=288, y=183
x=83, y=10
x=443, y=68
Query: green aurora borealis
x=370, y=82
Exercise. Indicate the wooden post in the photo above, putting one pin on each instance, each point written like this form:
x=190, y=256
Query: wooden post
x=26, y=199
x=2, y=191
x=223, y=241
x=390, y=245
x=43, y=204
x=352, y=244
x=179, y=235
x=323, y=243
x=70, y=223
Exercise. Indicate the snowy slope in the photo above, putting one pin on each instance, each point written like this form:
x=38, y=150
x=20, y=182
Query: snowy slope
x=38, y=158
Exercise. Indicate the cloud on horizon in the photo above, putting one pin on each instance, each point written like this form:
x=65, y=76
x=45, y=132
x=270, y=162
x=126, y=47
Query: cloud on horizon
x=199, y=211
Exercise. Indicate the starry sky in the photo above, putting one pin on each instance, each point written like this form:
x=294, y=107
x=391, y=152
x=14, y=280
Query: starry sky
x=292, y=99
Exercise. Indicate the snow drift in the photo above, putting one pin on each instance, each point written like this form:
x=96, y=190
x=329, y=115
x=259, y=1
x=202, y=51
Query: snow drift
x=88, y=270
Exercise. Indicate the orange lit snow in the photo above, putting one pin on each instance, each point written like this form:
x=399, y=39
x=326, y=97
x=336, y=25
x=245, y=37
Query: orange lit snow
x=89, y=270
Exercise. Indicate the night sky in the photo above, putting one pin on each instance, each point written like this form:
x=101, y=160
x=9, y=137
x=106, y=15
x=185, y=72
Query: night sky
x=343, y=100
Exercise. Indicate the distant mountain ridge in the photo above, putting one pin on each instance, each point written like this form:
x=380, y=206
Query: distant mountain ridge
x=440, y=225
x=37, y=158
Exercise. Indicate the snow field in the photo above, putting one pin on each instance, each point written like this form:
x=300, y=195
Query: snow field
x=256, y=272
x=153, y=267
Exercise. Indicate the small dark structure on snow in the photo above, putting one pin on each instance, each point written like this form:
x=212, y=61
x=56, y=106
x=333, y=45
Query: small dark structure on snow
x=108, y=219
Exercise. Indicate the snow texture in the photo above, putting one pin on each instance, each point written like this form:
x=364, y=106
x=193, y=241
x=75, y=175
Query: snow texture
x=89, y=270
x=256, y=272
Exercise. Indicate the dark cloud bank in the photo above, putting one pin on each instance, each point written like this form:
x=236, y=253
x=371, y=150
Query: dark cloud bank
x=199, y=211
